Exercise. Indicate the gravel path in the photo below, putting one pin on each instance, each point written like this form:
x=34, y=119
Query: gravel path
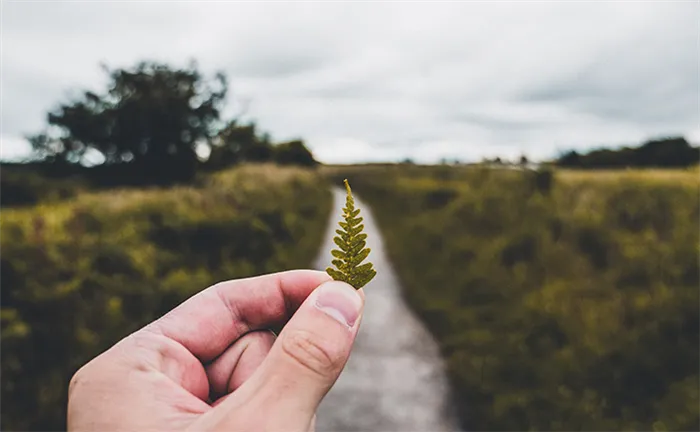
x=394, y=380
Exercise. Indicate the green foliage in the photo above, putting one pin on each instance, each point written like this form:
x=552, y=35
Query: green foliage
x=560, y=300
x=666, y=152
x=293, y=153
x=352, y=242
x=152, y=116
x=236, y=143
x=78, y=276
x=24, y=185
x=543, y=180
x=151, y=125
x=241, y=143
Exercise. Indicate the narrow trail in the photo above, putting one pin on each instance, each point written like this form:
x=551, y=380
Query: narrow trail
x=394, y=380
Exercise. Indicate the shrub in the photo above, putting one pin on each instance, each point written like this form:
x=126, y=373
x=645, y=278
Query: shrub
x=22, y=187
x=543, y=180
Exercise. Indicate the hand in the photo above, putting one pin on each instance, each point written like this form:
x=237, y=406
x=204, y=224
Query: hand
x=210, y=363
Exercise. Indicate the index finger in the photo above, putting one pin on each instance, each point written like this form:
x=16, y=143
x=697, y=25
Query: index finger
x=208, y=322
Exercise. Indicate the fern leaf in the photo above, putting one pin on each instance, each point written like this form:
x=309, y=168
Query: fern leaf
x=341, y=244
x=351, y=242
x=357, y=259
x=336, y=275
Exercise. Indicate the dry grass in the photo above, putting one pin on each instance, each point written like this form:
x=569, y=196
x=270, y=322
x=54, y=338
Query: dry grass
x=689, y=176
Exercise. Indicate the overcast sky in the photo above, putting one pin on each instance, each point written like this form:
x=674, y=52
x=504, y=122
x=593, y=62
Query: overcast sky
x=389, y=81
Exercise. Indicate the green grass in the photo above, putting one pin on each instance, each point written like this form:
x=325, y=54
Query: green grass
x=79, y=275
x=564, y=302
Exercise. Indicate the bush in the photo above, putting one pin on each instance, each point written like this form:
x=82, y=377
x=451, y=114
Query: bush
x=80, y=275
x=20, y=186
x=543, y=180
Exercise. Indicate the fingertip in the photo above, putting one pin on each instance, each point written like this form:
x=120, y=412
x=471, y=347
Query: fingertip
x=340, y=301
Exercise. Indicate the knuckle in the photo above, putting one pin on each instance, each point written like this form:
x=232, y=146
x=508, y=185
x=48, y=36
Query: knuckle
x=312, y=353
x=78, y=379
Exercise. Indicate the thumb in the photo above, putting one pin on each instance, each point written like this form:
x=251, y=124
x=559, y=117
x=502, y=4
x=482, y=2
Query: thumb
x=304, y=362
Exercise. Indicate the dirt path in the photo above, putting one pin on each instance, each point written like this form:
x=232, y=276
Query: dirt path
x=394, y=380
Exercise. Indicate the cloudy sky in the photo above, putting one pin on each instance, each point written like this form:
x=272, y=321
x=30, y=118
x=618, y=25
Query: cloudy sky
x=383, y=81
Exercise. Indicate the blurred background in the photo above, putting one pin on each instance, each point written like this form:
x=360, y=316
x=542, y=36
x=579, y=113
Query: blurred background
x=532, y=168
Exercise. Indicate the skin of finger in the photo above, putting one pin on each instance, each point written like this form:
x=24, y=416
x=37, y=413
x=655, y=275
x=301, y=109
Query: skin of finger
x=209, y=322
x=171, y=359
x=286, y=389
x=232, y=368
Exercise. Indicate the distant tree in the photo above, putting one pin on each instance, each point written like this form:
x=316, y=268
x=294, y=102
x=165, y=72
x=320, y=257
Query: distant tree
x=293, y=153
x=239, y=143
x=667, y=152
x=151, y=116
x=259, y=151
x=523, y=160
x=671, y=152
x=570, y=159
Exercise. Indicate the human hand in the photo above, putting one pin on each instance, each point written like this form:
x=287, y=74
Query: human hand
x=210, y=363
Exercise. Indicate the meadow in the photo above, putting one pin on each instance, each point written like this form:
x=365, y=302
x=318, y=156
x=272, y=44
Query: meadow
x=79, y=274
x=561, y=300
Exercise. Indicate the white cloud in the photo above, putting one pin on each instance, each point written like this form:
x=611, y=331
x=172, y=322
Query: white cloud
x=345, y=150
x=13, y=148
x=377, y=81
x=694, y=137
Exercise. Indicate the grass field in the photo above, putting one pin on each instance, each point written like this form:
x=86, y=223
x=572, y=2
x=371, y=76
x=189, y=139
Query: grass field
x=561, y=301
x=82, y=273
x=689, y=177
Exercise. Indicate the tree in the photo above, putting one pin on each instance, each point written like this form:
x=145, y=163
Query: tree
x=667, y=152
x=293, y=153
x=239, y=143
x=673, y=152
x=570, y=159
x=523, y=160
x=151, y=117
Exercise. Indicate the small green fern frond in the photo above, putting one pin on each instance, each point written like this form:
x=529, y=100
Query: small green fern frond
x=352, y=252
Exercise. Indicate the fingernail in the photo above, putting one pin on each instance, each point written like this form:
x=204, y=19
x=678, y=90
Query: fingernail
x=340, y=301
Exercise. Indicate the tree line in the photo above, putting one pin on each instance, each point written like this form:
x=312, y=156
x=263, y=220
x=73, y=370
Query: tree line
x=671, y=152
x=154, y=124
